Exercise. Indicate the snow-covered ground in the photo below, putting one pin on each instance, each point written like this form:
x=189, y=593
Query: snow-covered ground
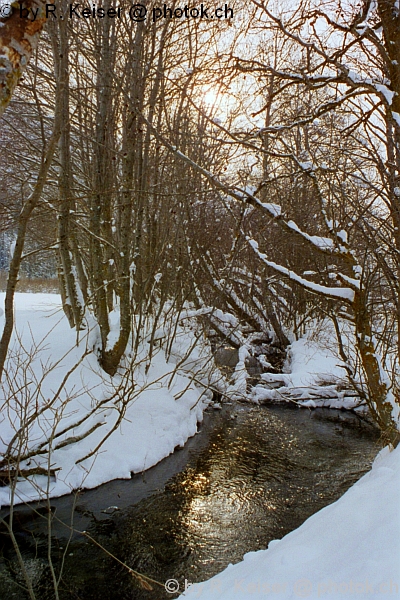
x=314, y=377
x=140, y=426
x=350, y=549
x=163, y=410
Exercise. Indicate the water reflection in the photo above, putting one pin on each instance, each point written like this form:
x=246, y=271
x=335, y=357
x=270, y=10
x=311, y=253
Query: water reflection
x=243, y=482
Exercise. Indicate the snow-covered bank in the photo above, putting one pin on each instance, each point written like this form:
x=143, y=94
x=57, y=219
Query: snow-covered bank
x=350, y=549
x=142, y=423
x=314, y=377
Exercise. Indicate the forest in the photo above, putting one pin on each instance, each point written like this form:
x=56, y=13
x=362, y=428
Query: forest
x=199, y=223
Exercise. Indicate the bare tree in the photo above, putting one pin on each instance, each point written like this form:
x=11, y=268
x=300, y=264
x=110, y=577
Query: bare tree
x=339, y=150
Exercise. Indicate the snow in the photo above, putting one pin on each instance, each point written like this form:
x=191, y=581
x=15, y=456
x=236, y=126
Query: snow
x=159, y=403
x=388, y=94
x=350, y=549
x=306, y=166
x=333, y=292
x=396, y=117
x=312, y=361
x=314, y=377
x=225, y=322
x=238, y=388
x=274, y=209
x=248, y=190
x=353, y=282
x=12, y=248
x=342, y=234
x=114, y=321
x=322, y=242
x=381, y=88
x=356, y=78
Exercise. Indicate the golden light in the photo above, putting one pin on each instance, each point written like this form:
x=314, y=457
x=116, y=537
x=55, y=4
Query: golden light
x=210, y=96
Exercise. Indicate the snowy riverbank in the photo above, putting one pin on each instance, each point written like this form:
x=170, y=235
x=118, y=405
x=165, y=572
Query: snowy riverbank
x=140, y=423
x=314, y=375
x=163, y=410
x=350, y=549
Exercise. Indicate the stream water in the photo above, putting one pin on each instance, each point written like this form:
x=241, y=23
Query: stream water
x=252, y=475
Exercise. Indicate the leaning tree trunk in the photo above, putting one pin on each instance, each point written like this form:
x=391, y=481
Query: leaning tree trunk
x=389, y=13
x=378, y=389
x=23, y=221
x=23, y=34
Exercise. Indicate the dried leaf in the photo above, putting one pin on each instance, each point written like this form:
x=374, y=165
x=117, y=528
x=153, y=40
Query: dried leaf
x=144, y=584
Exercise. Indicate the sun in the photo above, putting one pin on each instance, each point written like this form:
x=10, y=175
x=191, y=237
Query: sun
x=210, y=96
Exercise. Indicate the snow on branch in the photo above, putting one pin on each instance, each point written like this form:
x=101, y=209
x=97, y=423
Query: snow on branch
x=346, y=294
x=322, y=244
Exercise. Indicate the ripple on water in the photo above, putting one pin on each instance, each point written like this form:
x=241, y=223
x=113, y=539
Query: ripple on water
x=242, y=482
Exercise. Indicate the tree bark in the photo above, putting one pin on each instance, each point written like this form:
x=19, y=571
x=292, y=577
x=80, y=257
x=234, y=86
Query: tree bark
x=18, y=40
x=69, y=285
x=23, y=221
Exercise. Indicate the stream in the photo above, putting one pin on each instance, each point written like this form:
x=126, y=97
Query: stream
x=251, y=475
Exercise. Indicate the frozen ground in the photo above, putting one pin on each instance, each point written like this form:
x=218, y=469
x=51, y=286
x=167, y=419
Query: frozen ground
x=348, y=550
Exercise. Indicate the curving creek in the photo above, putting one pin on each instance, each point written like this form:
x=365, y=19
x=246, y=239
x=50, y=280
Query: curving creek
x=251, y=475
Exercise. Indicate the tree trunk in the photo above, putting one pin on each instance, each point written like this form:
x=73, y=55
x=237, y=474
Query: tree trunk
x=23, y=221
x=69, y=285
x=18, y=40
x=377, y=397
